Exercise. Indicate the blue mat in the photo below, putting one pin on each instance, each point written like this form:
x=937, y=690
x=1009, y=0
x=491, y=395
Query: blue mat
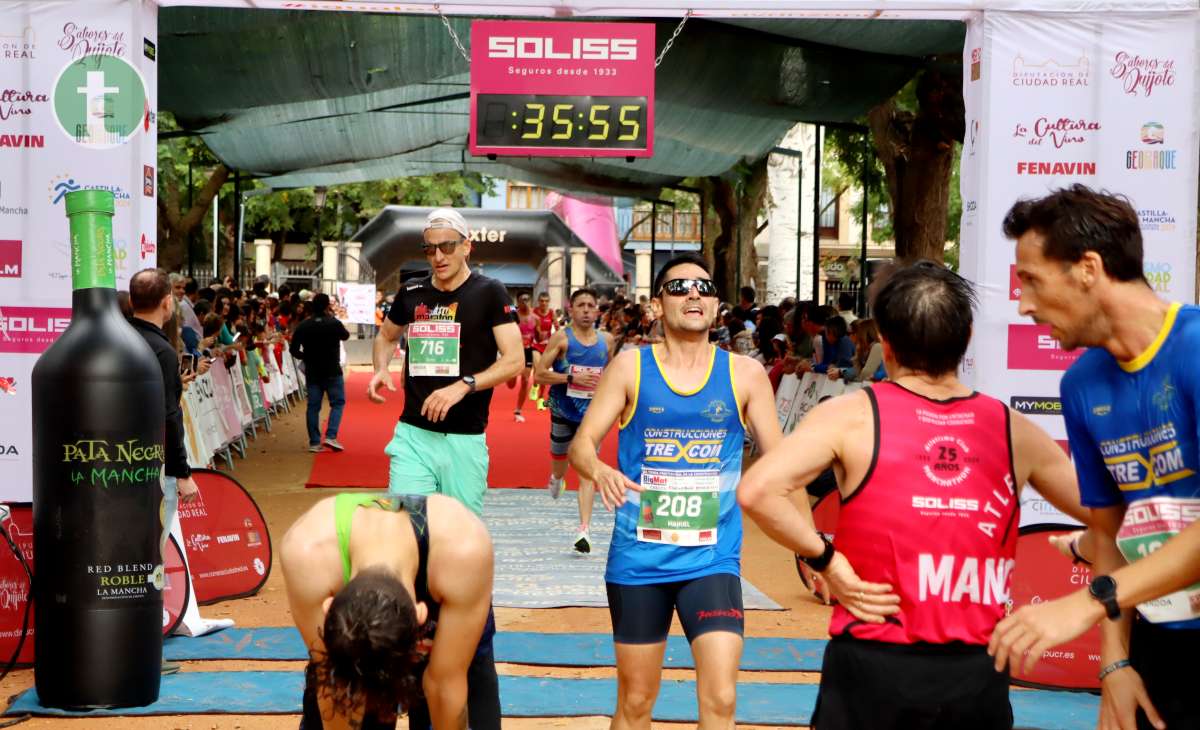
x=535, y=564
x=257, y=693
x=514, y=647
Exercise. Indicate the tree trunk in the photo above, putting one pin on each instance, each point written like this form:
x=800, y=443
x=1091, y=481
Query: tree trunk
x=917, y=151
x=174, y=224
x=736, y=205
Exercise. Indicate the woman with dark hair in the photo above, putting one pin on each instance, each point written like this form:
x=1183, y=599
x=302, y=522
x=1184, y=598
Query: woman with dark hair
x=392, y=597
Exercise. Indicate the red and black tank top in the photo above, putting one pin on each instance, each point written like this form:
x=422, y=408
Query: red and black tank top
x=935, y=517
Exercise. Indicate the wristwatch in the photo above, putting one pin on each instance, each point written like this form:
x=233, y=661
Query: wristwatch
x=820, y=562
x=470, y=381
x=570, y=379
x=1104, y=590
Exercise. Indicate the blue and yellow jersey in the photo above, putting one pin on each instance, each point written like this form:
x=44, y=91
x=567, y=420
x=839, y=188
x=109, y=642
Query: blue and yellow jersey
x=685, y=450
x=1132, y=427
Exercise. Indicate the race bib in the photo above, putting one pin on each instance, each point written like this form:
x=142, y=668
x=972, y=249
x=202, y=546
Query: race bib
x=433, y=349
x=679, y=507
x=575, y=390
x=1148, y=524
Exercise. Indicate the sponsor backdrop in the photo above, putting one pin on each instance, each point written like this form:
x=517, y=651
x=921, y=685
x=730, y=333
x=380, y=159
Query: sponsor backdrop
x=78, y=93
x=1052, y=100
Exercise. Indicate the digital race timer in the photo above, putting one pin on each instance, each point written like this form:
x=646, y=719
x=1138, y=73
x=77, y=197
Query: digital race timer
x=522, y=120
x=562, y=89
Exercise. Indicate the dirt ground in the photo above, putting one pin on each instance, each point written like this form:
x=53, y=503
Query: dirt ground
x=275, y=470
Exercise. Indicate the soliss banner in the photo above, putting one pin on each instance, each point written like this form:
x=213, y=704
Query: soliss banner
x=1104, y=100
x=78, y=101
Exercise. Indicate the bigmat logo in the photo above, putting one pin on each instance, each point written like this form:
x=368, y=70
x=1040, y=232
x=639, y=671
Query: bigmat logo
x=1030, y=347
x=1033, y=405
x=31, y=330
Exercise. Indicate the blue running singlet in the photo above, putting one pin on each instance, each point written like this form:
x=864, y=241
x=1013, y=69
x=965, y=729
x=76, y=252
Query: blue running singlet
x=685, y=449
x=563, y=400
x=1132, y=428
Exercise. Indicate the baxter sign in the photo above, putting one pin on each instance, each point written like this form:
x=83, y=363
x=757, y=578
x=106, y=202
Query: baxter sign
x=547, y=89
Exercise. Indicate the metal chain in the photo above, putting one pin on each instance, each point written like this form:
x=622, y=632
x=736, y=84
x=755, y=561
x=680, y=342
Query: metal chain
x=671, y=40
x=453, y=35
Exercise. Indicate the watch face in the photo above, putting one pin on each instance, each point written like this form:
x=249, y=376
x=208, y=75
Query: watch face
x=1103, y=588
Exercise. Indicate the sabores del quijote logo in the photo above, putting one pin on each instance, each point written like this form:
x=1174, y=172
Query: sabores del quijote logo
x=1142, y=75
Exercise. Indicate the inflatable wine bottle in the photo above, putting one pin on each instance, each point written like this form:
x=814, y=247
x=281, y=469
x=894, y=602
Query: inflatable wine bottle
x=98, y=430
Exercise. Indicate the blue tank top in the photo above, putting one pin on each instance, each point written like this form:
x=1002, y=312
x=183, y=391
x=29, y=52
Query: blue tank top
x=577, y=353
x=685, y=449
x=1132, y=431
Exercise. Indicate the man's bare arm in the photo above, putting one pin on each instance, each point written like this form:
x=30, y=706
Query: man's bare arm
x=512, y=357
x=800, y=458
x=754, y=387
x=381, y=355
x=543, y=374
x=609, y=402
x=1049, y=470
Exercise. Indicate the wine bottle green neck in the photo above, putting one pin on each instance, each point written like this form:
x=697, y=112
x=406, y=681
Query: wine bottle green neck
x=92, y=262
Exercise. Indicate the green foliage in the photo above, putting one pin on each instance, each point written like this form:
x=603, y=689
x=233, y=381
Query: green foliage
x=291, y=215
x=347, y=207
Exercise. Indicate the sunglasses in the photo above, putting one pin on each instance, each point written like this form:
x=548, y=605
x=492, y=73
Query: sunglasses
x=681, y=287
x=446, y=247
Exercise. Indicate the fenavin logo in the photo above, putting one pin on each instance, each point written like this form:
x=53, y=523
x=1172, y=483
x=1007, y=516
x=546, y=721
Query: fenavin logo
x=99, y=101
x=1036, y=405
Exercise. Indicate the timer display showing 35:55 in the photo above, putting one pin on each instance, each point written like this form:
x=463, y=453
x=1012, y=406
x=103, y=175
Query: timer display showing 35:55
x=538, y=120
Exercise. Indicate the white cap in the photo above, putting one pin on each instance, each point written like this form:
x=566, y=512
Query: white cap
x=446, y=218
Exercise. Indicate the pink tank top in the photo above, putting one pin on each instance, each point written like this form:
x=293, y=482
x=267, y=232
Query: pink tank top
x=935, y=517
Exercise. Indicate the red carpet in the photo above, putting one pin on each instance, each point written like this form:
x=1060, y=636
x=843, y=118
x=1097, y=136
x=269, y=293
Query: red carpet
x=520, y=452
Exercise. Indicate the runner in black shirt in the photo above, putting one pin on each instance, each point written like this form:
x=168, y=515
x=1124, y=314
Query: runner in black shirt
x=457, y=322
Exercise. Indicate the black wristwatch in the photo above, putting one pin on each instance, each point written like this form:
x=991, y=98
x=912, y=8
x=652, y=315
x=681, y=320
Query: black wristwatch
x=570, y=379
x=1104, y=590
x=470, y=381
x=820, y=562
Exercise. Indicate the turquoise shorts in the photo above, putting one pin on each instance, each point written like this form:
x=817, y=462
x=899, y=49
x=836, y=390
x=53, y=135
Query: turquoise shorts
x=428, y=462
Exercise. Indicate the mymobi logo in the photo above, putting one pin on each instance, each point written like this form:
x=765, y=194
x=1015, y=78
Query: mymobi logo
x=587, y=49
x=1035, y=405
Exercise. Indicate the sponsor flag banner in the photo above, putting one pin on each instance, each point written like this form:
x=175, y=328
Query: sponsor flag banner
x=14, y=587
x=1043, y=574
x=228, y=546
x=1107, y=100
x=359, y=301
x=78, y=110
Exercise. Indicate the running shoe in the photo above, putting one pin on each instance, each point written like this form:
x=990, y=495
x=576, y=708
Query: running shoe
x=533, y=392
x=316, y=448
x=518, y=417
x=541, y=404
x=334, y=444
x=583, y=542
x=556, y=487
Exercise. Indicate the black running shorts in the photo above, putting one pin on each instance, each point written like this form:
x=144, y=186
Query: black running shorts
x=1162, y=656
x=871, y=685
x=642, y=614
